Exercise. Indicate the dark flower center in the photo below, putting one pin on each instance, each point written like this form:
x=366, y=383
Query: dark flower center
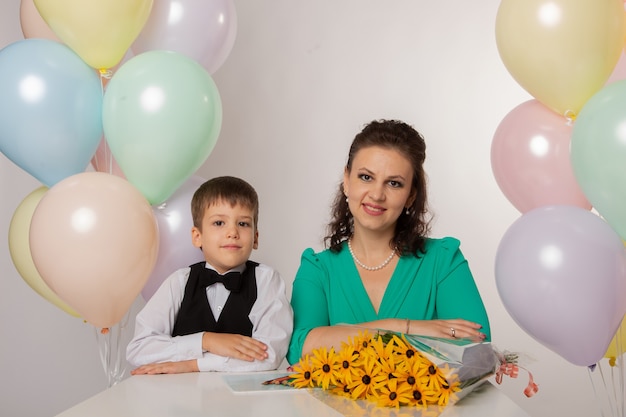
x=307, y=375
x=410, y=353
x=364, y=343
x=393, y=396
x=345, y=364
x=346, y=389
x=417, y=395
x=432, y=370
x=326, y=368
x=366, y=379
x=411, y=380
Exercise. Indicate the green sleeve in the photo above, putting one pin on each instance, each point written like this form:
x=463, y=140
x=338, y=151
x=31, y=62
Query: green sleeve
x=309, y=301
x=457, y=293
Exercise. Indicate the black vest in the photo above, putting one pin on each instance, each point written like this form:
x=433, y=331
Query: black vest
x=195, y=314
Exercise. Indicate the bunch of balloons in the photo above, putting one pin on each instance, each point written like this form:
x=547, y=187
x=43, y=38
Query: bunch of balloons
x=560, y=268
x=123, y=87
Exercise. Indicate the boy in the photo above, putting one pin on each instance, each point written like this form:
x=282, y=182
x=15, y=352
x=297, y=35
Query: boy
x=242, y=321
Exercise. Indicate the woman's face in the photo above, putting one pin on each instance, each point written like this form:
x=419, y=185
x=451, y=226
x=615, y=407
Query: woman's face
x=378, y=188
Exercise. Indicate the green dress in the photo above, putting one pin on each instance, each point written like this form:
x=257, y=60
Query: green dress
x=328, y=290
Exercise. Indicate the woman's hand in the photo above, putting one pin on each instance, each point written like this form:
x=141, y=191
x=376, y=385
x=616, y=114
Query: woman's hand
x=449, y=329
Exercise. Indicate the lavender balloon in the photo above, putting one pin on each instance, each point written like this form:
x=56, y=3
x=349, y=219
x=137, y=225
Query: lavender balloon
x=175, y=248
x=561, y=274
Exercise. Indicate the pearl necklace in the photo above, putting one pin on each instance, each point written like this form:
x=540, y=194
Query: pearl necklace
x=371, y=268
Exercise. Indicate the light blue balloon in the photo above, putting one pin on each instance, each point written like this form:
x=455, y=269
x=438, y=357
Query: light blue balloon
x=50, y=109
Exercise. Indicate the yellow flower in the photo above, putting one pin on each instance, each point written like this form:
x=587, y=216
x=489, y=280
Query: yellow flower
x=434, y=377
x=423, y=396
x=303, y=376
x=326, y=368
x=368, y=379
x=406, y=352
x=358, y=343
x=348, y=361
x=447, y=391
x=395, y=393
x=342, y=389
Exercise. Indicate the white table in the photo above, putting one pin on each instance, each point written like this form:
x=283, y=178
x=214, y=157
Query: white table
x=208, y=394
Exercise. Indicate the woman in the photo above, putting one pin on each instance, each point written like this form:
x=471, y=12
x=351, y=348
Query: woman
x=380, y=270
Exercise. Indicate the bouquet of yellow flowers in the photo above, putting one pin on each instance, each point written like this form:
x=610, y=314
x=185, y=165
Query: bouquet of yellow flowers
x=394, y=369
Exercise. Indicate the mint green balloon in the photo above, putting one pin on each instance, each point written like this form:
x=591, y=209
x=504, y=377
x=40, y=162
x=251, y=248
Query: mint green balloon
x=598, y=153
x=161, y=116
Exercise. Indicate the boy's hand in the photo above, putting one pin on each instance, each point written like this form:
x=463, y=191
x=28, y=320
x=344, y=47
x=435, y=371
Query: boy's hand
x=234, y=346
x=167, y=368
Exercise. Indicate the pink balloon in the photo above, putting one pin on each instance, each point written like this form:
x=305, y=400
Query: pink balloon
x=94, y=241
x=33, y=25
x=103, y=160
x=561, y=274
x=175, y=249
x=200, y=29
x=530, y=159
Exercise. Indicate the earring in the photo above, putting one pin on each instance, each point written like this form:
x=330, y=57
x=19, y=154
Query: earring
x=407, y=211
x=346, y=199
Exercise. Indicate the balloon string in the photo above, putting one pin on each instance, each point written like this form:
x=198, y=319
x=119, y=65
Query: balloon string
x=106, y=74
x=111, y=352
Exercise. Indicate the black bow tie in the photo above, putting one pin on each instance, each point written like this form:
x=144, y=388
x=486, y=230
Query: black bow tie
x=231, y=280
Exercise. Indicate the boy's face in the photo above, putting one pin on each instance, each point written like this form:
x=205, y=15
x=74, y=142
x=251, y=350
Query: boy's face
x=228, y=235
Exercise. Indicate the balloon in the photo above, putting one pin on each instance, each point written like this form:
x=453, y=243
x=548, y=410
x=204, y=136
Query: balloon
x=618, y=344
x=619, y=72
x=175, y=248
x=560, y=51
x=202, y=30
x=19, y=249
x=561, y=274
x=50, y=109
x=161, y=115
x=94, y=240
x=531, y=161
x=598, y=152
x=103, y=160
x=100, y=32
x=33, y=25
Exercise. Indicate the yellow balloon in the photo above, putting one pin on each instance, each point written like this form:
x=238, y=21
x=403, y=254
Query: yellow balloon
x=561, y=51
x=19, y=248
x=100, y=32
x=618, y=344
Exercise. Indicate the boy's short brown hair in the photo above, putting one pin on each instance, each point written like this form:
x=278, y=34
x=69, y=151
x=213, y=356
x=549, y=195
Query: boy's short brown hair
x=228, y=189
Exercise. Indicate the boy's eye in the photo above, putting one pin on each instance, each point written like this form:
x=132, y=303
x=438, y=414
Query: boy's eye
x=244, y=224
x=218, y=223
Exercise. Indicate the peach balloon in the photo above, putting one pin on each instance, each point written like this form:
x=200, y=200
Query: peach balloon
x=19, y=249
x=103, y=160
x=530, y=159
x=94, y=240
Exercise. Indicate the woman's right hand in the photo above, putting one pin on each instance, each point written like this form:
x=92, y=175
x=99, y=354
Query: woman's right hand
x=449, y=329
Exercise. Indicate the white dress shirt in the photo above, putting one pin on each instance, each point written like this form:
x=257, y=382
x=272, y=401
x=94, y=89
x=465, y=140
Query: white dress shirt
x=271, y=317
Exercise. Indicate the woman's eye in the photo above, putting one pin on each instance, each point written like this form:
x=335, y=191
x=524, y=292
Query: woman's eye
x=365, y=177
x=395, y=184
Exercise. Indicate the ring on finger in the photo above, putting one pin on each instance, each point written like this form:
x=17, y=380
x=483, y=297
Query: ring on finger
x=453, y=332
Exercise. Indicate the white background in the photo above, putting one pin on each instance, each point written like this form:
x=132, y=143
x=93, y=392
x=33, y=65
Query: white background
x=300, y=82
